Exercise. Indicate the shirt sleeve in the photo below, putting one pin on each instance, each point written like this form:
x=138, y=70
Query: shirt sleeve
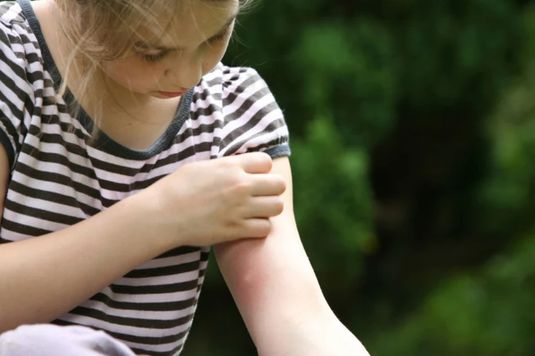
x=253, y=120
x=15, y=91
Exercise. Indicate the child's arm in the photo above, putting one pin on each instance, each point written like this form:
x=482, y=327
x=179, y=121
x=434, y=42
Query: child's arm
x=277, y=292
x=43, y=277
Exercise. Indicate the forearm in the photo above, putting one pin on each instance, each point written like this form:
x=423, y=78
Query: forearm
x=44, y=277
x=276, y=291
x=280, y=299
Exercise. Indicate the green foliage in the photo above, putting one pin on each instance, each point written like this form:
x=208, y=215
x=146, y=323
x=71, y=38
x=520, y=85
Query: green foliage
x=510, y=189
x=347, y=72
x=333, y=204
x=485, y=312
x=455, y=52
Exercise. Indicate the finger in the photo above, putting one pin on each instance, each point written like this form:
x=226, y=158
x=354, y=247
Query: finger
x=264, y=207
x=257, y=228
x=267, y=184
x=255, y=162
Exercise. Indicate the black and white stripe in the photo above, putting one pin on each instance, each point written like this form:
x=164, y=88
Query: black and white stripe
x=60, y=176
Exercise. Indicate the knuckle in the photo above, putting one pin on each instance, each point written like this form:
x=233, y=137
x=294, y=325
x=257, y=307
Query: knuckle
x=233, y=177
x=227, y=163
x=233, y=225
x=241, y=187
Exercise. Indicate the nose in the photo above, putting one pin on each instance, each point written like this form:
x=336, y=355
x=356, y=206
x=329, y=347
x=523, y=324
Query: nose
x=184, y=71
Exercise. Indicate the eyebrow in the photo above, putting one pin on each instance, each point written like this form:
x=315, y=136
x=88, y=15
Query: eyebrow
x=148, y=46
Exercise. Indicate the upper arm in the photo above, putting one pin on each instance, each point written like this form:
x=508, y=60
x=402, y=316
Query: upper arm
x=271, y=279
x=4, y=174
x=237, y=259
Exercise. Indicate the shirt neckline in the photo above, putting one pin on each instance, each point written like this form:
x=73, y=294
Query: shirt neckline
x=101, y=140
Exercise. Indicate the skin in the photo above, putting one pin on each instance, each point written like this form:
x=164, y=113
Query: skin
x=132, y=84
x=204, y=33
x=248, y=199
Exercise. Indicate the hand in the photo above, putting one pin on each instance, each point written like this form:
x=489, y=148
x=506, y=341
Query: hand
x=208, y=202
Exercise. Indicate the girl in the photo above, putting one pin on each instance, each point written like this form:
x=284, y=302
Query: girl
x=127, y=150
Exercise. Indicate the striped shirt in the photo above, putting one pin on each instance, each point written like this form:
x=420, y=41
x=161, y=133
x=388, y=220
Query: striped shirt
x=59, y=175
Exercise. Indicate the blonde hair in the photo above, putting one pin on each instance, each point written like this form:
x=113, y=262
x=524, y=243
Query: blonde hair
x=103, y=30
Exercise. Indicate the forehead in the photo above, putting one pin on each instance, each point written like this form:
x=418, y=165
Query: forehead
x=188, y=21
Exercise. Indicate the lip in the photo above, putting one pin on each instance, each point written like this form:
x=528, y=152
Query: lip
x=171, y=94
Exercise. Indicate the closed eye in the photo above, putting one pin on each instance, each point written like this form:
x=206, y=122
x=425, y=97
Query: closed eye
x=154, y=57
x=151, y=54
x=221, y=36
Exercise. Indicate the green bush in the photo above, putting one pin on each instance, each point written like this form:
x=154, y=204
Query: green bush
x=483, y=312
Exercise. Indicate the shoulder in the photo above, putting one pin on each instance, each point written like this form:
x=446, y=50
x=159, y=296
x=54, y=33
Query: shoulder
x=248, y=116
x=236, y=85
x=11, y=13
x=13, y=23
x=231, y=90
x=229, y=81
x=18, y=43
x=20, y=75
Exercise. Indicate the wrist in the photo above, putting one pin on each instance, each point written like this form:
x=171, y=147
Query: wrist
x=146, y=221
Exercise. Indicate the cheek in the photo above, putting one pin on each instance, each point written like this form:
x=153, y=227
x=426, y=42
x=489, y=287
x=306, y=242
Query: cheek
x=214, y=56
x=131, y=74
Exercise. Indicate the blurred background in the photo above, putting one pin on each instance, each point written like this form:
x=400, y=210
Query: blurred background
x=413, y=135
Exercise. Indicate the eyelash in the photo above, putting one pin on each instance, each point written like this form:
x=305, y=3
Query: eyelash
x=219, y=37
x=155, y=57
x=159, y=56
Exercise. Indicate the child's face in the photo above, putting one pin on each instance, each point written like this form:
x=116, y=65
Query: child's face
x=195, y=42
